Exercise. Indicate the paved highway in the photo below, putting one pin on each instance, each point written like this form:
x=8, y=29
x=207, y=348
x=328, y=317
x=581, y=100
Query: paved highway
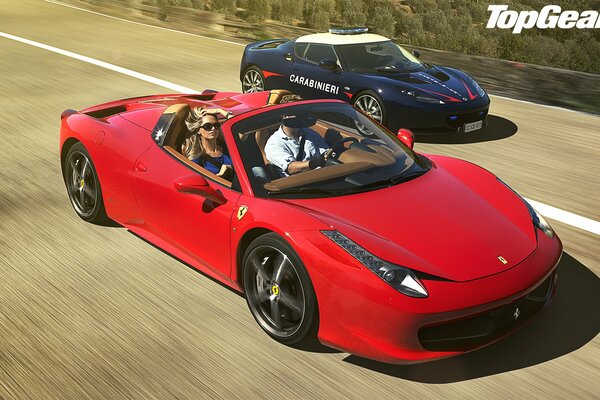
x=95, y=312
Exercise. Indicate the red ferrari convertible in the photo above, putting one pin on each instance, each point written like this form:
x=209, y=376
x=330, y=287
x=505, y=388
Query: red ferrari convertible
x=376, y=249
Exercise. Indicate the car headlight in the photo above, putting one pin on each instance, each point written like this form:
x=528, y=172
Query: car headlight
x=400, y=278
x=478, y=88
x=422, y=97
x=538, y=220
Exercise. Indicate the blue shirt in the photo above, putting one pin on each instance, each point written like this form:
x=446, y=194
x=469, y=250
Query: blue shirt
x=223, y=159
x=281, y=150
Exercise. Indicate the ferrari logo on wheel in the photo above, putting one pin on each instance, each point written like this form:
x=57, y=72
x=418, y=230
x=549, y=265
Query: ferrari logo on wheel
x=241, y=212
x=517, y=313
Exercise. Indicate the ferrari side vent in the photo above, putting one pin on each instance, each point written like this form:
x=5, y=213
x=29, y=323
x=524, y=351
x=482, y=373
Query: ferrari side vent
x=206, y=95
x=106, y=112
x=67, y=112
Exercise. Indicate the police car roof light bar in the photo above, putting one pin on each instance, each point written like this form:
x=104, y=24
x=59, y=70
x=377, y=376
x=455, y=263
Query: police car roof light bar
x=348, y=31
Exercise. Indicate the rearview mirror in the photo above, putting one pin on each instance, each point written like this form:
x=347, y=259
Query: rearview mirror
x=407, y=137
x=416, y=53
x=329, y=64
x=198, y=185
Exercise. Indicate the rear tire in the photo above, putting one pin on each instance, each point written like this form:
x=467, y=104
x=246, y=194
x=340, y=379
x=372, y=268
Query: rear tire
x=279, y=292
x=253, y=80
x=371, y=104
x=83, y=186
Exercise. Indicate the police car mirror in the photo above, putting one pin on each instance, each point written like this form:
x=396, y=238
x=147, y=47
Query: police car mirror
x=416, y=53
x=329, y=64
x=407, y=137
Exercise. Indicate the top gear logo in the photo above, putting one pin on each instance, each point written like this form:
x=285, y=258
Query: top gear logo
x=549, y=17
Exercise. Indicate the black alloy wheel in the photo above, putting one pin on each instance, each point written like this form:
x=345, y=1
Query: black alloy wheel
x=83, y=185
x=278, y=290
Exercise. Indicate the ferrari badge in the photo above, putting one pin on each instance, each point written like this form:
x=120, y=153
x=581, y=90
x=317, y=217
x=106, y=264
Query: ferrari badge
x=241, y=212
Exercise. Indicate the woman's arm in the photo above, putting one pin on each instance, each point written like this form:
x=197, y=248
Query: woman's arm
x=223, y=113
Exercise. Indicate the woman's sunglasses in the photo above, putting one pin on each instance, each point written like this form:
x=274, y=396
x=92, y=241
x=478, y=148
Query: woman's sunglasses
x=209, y=126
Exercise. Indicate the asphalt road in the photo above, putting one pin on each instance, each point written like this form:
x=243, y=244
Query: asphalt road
x=95, y=312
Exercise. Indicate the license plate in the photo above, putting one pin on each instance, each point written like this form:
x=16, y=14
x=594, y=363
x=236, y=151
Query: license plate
x=473, y=126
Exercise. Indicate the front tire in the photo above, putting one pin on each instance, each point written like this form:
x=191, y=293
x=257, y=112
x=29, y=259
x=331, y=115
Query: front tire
x=83, y=186
x=253, y=80
x=371, y=104
x=278, y=290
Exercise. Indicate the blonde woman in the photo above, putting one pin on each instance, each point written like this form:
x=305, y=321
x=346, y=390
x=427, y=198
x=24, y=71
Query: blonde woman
x=206, y=146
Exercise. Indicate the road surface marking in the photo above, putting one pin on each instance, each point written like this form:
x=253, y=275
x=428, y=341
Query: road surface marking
x=112, y=67
x=60, y=3
x=566, y=217
x=551, y=212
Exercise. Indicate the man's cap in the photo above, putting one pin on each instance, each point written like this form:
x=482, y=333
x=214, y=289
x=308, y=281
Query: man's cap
x=298, y=121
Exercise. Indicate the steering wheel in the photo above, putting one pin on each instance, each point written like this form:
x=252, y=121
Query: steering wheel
x=339, y=147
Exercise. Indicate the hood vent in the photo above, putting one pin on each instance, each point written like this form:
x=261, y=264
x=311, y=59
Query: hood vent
x=440, y=75
x=411, y=79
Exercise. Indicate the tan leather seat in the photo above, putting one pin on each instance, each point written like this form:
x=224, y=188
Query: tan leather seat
x=261, y=137
x=276, y=95
x=178, y=130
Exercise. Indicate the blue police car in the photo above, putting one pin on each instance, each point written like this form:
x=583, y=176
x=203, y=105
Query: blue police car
x=377, y=76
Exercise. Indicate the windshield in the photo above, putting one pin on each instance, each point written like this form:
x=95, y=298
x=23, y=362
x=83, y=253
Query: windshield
x=379, y=57
x=358, y=155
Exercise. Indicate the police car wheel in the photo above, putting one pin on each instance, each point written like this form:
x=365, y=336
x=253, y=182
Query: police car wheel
x=371, y=104
x=278, y=291
x=253, y=80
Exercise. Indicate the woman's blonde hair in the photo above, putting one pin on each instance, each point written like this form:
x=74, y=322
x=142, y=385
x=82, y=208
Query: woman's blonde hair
x=192, y=147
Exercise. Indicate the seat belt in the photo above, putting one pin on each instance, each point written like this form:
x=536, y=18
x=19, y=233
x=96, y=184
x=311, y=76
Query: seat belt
x=300, y=155
x=206, y=158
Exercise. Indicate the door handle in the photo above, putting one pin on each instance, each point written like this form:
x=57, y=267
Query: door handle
x=288, y=57
x=140, y=167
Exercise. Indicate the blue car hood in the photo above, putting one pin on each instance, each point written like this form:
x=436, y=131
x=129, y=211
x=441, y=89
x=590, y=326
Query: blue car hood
x=446, y=84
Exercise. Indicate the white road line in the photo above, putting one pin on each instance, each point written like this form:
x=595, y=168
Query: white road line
x=541, y=105
x=554, y=213
x=566, y=217
x=60, y=3
x=112, y=67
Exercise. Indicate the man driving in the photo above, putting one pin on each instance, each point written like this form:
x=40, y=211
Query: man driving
x=294, y=147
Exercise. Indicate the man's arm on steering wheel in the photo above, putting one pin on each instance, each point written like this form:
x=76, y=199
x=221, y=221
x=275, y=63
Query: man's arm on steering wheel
x=315, y=161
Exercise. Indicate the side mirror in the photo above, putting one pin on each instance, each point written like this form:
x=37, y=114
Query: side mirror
x=407, y=137
x=198, y=185
x=416, y=53
x=329, y=64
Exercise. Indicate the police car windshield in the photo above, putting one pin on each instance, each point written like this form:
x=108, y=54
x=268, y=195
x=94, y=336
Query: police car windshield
x=379, y=57
x=361, y=155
